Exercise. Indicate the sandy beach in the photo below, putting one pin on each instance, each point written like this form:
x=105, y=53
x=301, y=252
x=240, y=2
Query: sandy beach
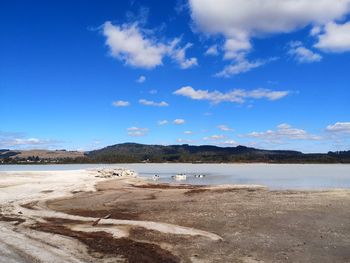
x=89, y=216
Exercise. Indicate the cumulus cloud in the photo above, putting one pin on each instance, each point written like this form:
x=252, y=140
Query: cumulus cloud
x=137, y=132
x=129, y=44
x=339, y=127
x=238, y=21
x=141, y=79
x=153, y=103
x=179, y=121
x=302, y=54
x=162, y=122
x=136, y=47
x=242, y=19
x=284, y=131
x=223, y=127
x=188, y=132
x=237, y=95
x=121, y=103
x=335, y=38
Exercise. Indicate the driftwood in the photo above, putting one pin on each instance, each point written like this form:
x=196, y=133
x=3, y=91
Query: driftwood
x=107, y=216
x=95, y=223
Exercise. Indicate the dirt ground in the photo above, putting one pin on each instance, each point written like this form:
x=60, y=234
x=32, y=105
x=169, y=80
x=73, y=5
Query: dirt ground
x=255, y=224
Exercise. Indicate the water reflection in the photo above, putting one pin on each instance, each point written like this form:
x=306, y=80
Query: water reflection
x=275, y=176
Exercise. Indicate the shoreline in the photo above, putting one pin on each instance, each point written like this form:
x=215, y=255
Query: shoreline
x=310, y=177
x=202, y=163
x=160, y=220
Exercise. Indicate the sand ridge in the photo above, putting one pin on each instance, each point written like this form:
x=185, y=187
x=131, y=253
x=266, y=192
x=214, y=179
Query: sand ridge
x=23, y=203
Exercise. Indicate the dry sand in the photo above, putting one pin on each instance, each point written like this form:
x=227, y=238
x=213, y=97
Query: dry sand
x=58, y=216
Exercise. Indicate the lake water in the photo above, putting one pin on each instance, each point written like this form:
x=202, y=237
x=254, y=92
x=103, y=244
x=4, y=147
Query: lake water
x=274, y=176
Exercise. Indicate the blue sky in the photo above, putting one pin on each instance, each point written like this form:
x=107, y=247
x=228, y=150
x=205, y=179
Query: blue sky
x=86, y=74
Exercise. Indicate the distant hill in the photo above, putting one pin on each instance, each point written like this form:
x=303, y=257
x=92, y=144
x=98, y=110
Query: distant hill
x=20, y=156
x=6, y=153
x=134, y=152
x=56, y=154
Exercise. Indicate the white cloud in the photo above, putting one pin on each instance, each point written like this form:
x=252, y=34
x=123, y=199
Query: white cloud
x=336, y=38
x=212, y=51
x=223, y=127
x=129, y=44
x=153, y=91
x=137, y=132
x=284, y=131
x=30, y=141
x=229, y=143
x=121, y=103
x=136, y=129
x=188, y=132
x=236, y=47
x=339, y=127
x=237, y=95
x=180, y=140
x=240, y=66
x=179, y=55
x=141, y=79
x=134, y=46
x=315, y=30
x=214, y=137
x=163, y=122
x=19, y=141
x=302, y=54
x=179, y=121
x=238, y=21
x=152, y=103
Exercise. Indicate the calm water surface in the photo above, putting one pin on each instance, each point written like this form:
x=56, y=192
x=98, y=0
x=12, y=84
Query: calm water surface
x=275, y=176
